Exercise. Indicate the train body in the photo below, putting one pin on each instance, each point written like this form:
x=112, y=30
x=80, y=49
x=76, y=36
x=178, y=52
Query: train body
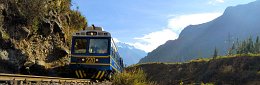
x=94, y=54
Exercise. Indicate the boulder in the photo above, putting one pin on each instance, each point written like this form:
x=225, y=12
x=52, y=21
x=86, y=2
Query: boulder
x=16, y=57
x=38, y=69
x=57, y=28
x=46, y=28
x=40, y=63
x=2, y=8
x=29, y=63
x=23, y=33
x=3, y=55
x=2, y=13
x=61, y=51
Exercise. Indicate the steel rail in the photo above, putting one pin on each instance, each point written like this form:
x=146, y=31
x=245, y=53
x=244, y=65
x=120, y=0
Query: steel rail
x=19, y=77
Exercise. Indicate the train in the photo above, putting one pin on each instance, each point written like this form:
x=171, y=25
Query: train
x=94, y=54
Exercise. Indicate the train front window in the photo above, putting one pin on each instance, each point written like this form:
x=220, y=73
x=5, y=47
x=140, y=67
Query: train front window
x=98, y=46
x=80, y=46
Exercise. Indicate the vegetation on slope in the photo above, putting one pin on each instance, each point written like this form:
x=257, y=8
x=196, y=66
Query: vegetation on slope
x=245, y=47
x=234, y=70
x=131, y=77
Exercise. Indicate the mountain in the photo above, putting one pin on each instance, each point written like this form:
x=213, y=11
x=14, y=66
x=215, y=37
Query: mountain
x=130, y=54
x=196, y=41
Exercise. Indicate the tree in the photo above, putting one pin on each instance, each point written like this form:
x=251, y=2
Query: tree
x=231, y=51
x=250, y=46
x=257, y=45
x=215, y=53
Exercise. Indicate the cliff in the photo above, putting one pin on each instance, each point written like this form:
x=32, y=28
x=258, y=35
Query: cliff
x=36, y=33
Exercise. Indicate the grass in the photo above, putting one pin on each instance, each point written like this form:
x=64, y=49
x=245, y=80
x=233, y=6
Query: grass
x=4, y=35
x=202, y=59
x=222, y=69
x=133, y=77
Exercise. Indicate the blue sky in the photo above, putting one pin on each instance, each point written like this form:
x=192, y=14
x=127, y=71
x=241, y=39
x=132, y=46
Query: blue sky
x=146, y=24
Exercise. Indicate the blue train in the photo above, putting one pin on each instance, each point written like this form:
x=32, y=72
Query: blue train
x=94, y=54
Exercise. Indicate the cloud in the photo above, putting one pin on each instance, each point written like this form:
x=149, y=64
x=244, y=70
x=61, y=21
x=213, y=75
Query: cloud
x=214, y=2
x=220, y=1
x=152, y=40
x=178, y=23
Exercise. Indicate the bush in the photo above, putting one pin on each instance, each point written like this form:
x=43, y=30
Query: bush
x=75, y=23
x=30, y=9
x=77, y=20
x=133, y=77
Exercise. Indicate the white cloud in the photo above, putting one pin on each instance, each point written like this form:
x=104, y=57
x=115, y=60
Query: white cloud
x=152, y=40
x=220, y=1
x=175, y=25
x=214, y=2
x=178, y=23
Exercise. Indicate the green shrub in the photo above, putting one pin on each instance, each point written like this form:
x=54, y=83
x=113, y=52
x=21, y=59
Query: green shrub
x=77, y=20
x=35, y=25
x=4, y=35
x=133, y=77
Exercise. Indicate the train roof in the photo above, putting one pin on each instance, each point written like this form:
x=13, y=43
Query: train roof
x=93, y=32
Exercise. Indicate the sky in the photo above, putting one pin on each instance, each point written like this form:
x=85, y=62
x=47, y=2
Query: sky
x=147, y=24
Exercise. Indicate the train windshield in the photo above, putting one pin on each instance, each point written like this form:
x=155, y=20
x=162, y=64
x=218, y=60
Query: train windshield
x=90, y=45
x=80, y=46
x=98, y=46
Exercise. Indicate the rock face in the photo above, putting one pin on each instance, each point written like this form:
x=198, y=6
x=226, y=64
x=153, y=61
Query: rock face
x=3, y=54
x=33, y=33
x=197, y=41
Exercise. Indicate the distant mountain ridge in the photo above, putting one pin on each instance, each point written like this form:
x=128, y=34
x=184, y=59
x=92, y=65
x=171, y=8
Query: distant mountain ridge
x=237, y=22
x=130, y=54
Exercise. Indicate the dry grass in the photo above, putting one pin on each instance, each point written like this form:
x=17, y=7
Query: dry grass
x=133, y=77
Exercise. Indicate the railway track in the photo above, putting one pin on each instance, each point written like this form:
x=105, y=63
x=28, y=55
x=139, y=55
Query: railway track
x=18, y=79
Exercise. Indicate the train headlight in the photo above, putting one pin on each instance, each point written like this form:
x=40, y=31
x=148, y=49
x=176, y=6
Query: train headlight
x=83, y=59
x=96, y=60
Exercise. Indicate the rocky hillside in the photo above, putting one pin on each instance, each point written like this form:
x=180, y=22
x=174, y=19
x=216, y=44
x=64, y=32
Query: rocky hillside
x=223, y=71
x=36, y=32
x=236, y=24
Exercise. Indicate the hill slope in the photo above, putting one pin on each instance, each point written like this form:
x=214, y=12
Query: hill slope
x=238, y=22
x=36, y=32
x=231, y=71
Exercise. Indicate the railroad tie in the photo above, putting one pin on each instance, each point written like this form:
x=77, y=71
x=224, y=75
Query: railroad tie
x=98, y=74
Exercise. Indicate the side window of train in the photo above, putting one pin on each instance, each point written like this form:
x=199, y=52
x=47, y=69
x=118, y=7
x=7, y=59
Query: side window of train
x=80, y=46
x=113, y=50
